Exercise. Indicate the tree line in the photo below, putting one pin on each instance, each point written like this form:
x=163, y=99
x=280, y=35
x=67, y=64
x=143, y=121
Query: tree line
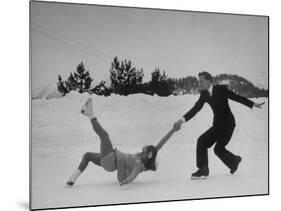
x=126, y=79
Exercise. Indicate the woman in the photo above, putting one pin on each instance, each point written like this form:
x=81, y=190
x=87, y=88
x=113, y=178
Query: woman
x=128, y=166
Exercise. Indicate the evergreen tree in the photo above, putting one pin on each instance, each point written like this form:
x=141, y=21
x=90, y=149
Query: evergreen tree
x=82, y=78
x=159, y=84
x=71, y=83
x=100, y=89
x=61, y=87
x=125, y=79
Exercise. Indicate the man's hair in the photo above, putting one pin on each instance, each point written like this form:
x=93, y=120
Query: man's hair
x=149, y=163
x=206, y=75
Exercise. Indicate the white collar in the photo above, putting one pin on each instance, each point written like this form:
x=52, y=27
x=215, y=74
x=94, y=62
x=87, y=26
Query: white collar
x=210, y=90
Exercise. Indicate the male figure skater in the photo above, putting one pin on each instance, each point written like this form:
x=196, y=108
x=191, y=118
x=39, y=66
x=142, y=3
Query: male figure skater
x=223, y=124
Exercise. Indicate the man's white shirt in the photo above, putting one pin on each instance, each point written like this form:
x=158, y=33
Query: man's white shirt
x=210, y=90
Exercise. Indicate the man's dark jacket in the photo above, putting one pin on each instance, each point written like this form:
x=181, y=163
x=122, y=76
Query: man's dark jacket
x=219, y=104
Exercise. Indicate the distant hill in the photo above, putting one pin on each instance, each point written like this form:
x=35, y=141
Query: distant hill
x=238, y=84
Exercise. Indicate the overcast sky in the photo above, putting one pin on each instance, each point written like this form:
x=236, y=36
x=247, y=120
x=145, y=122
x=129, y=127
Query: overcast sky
x=181, y=43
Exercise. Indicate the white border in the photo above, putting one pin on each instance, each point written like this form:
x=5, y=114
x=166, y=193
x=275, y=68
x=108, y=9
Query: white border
x=15, y=103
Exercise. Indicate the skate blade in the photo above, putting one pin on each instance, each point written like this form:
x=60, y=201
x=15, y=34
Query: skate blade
x=199, y=178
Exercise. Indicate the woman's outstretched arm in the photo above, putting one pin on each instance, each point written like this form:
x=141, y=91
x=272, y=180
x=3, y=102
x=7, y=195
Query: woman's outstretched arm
x=167, y=137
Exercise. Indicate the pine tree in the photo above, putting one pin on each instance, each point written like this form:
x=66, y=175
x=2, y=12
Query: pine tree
x=71, y=83
x=160, y=84
x=82, y=78
x=125, y=79
x=61, y=87
x=100, y=89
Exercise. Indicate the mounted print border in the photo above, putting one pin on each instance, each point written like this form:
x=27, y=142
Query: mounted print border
x=141, y=105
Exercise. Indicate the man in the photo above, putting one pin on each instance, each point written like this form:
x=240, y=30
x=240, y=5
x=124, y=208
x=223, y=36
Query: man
x=223, y=124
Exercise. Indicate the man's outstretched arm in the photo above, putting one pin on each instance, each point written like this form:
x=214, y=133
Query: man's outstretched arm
x=194, y=110
x=243, y=100
x=191, y=113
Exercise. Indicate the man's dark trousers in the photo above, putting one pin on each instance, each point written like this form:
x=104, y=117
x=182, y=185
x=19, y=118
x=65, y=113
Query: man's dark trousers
x=219, y=136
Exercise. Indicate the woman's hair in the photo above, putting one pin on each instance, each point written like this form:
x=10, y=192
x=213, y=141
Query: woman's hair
x=149, y=162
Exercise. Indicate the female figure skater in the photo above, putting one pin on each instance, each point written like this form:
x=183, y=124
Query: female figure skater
x=128, y=166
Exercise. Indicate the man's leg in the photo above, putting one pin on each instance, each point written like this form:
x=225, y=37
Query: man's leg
x=228, y=158
x=205, y=141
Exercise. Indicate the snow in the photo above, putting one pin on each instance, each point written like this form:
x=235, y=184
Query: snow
x=47, y=91
x=60, y=136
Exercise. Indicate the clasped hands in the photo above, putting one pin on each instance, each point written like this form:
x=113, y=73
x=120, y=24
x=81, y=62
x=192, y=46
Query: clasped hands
x=177, y=125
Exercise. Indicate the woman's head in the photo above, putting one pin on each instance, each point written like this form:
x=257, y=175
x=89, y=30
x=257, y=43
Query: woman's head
x=149, y=157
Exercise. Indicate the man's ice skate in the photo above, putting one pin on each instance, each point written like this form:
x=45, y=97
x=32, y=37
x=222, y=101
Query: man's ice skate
x=234, y=169
x=201, y=173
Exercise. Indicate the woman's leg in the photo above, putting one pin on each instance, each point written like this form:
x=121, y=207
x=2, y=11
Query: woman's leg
x=87, y=157
x=105, y=143
x=70, y=182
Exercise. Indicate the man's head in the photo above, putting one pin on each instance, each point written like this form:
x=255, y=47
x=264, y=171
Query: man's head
x=205, y=80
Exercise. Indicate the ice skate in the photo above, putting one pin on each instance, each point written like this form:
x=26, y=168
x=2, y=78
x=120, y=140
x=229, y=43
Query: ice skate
x=201, y=173
x=238, y=161
x=87, y=109
x=70, y=182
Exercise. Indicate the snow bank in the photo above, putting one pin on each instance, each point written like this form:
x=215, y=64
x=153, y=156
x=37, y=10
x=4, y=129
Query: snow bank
x=49, y=91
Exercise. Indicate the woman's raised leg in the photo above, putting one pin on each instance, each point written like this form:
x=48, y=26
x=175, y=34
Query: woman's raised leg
x=105, y=142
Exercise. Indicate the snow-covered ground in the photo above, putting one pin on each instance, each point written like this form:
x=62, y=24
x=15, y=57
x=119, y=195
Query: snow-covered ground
x=47, y=91
x=60, y=136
